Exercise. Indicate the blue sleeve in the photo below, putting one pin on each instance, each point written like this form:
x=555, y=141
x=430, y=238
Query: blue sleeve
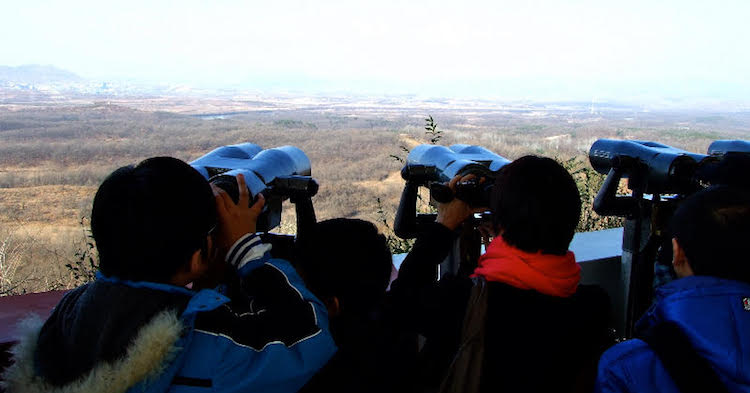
x=608, y=382
x=613, y=373
x=273, y=368
x=275, y=342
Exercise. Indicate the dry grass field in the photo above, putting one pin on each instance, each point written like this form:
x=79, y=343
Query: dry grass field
x=53, y=155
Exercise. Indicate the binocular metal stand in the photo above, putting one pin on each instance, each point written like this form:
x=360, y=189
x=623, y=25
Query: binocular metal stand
x=646, y=237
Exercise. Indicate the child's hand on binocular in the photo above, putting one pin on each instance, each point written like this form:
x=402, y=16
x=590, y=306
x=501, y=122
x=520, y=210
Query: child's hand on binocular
x=236, y=220
x=453, y=213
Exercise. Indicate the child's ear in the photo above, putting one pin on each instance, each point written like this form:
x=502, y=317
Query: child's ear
x=679, y=260
x=189, y=271
x=197, y=263
x=332, y=305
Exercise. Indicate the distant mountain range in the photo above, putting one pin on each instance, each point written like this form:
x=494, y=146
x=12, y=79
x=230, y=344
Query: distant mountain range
x=48, y=81
x=37, y=74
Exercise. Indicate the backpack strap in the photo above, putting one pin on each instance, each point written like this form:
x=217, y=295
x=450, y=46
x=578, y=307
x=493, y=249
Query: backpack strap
x=689, y=371
x=464, y=375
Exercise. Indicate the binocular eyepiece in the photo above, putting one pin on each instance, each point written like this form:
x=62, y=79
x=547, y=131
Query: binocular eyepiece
x=278, y=173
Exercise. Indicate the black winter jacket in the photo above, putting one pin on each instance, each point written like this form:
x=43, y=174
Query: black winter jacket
x=374, y=356
x=534, y=342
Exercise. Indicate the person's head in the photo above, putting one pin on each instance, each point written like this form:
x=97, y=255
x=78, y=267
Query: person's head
x=347, y=264
x=151, y=221
x=536, y=205
x=710, y=232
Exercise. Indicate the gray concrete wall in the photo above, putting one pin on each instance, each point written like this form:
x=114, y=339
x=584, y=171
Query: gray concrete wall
x=598, y=253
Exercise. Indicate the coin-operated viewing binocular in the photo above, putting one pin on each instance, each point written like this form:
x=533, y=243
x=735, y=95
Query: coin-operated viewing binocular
x=728, y=147
x=279, y=173
x=432, y=166
x=659, y=177
x=655, y=169
x=651, y=166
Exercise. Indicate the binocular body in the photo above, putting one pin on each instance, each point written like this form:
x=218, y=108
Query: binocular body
x=278, y=173
x=433, y=166
x=443, y=163
x=663, y=169
x=723, y=147
x=260, y=167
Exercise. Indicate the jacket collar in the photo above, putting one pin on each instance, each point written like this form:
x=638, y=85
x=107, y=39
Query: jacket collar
x=672, y=300
x=203, y=300
x=696, y=285
x=146, y=284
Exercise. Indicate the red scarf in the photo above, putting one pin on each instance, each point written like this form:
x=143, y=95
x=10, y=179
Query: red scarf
x=555, y=275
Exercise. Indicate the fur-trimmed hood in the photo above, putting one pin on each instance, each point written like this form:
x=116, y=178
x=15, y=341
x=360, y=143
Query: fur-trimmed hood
x=102, y=336
x=150, y=351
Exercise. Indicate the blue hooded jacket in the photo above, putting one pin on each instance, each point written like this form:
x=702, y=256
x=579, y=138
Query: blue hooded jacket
x=267, y=334
x=714, y=315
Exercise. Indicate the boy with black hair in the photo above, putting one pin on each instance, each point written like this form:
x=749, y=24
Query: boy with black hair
x=347, y=264
x=522, y=322
x=693, y=338
x=158, y=227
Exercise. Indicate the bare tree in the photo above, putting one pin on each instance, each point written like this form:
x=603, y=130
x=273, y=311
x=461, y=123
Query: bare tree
x=12, y=251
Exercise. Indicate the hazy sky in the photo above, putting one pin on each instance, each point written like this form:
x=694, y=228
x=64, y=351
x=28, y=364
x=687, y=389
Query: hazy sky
x=554, y=48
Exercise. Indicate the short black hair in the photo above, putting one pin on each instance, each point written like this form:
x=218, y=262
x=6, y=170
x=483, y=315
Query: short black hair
x=536, y=204
x=713, y=227
x=149, y=219
x=348, y=259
